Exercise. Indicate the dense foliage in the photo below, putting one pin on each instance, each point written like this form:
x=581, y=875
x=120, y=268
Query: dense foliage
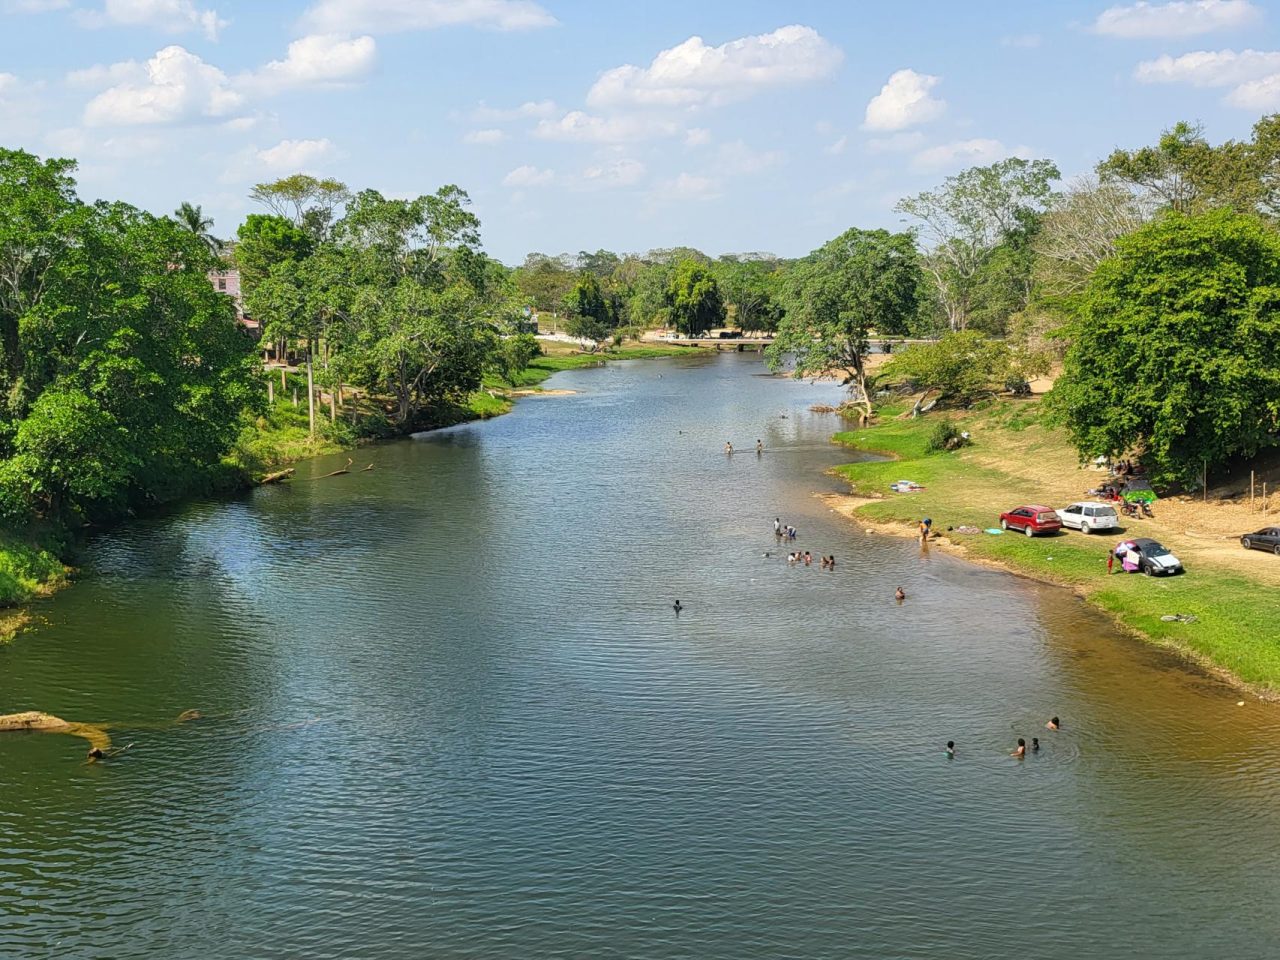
x=124, y=373
x=862, y=281
x=1176, y=346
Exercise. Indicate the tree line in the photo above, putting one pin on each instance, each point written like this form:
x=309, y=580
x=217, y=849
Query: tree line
x=125, y=379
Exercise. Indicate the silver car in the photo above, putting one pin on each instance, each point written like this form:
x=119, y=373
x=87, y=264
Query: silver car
x=1089, y=515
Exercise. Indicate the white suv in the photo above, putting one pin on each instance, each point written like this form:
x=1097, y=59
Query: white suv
x=1089, y=515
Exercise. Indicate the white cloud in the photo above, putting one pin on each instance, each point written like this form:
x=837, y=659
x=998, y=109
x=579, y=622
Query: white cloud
x=319, y=59
x=528, y=176
x=688, y=186
x=898, y=143
x=1260, y=95
x=7, y=82
x=1182, y=18
x=399, y=16
x=101, y=75
x=738, y=158
x=904, y=102
x=966, y=153
x=293, y=155
x=484, y=137
x=170, y=16
x=693, y=73
x=697, y=137
x=838, y=147
x=534, y=108
x=1209, y=68
x=174, y=86
x=617, y=173
x=584, y=127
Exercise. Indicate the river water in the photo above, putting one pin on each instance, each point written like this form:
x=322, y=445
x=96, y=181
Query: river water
x=449, y=712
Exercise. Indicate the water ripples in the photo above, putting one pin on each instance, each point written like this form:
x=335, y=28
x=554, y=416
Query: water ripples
x=449, y=711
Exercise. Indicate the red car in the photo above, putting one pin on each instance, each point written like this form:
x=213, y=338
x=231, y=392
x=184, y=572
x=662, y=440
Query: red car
x=1031, y=520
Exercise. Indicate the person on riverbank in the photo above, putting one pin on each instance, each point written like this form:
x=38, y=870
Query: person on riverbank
x=925, y=524
x=899, y=595
x=1021, y=751
x=951, y=749
x=1053, y=724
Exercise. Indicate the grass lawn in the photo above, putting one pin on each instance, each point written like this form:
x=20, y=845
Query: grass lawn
x=1015, y=460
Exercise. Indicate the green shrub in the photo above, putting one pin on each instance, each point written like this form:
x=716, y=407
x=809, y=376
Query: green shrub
x=945, y=436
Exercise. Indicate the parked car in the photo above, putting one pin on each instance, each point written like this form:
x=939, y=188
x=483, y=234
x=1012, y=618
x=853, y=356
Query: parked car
x=1154, y=558
x=1089, y=515
x=1031, y=520
x=1268, y=538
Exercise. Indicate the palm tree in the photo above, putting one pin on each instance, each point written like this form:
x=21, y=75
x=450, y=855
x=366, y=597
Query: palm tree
x=193, y=218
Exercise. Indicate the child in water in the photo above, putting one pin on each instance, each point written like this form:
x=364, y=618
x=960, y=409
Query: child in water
x=1021, y=750
x=951, y=749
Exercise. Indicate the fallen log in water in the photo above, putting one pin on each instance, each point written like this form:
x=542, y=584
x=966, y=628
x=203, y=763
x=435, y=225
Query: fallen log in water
x=335, y=473
x=35, y=722
x=276, y=477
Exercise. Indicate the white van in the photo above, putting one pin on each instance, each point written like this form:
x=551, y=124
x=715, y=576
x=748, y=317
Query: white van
x=1089, y=515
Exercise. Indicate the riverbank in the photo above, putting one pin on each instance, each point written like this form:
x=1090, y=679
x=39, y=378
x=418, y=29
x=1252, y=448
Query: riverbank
x=282, y=436
x=1015, y=459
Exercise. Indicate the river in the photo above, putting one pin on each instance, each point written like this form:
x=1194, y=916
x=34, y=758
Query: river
x=449, y=712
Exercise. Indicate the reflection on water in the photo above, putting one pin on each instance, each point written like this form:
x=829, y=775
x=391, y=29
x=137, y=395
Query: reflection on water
x=449, y=712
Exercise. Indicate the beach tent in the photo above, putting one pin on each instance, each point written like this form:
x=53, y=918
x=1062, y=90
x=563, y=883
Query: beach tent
x=1138, y=489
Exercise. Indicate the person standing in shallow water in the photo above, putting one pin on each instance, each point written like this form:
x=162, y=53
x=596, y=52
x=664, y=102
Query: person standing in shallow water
x=1053, y=724
x=1021, y=751
x=759, y=448
x=728, y=447
x=951, y=749
x=677, y=607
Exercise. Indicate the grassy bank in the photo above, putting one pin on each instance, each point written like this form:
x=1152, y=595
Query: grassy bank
x=1015, y=459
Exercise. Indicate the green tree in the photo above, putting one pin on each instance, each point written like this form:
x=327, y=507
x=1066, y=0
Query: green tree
x=591, y=313
x=693, y=297
x=969, y=217
x=309, y=203
x=191, y=217
x=265, y=240
x=861, y=281
x=962, y=366
x=40, y=218
x=750, y=290
x=1175, y=350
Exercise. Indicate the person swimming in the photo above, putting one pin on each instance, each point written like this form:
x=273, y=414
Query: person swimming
x=1053, y=724
x=1035, y=744
x=1021, y=750
x=951, y=749
x=899, y=595
x=808, y=559
x=677, y=607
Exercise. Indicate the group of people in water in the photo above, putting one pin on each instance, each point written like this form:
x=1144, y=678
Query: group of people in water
x=728, y=447
x=1021, y=750
x=795, y=556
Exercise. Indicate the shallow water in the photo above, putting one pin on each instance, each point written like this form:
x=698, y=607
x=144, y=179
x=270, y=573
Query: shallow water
x=449, y=712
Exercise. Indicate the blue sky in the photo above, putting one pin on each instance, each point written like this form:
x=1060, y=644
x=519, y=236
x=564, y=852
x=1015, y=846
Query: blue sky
x=578, y=125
